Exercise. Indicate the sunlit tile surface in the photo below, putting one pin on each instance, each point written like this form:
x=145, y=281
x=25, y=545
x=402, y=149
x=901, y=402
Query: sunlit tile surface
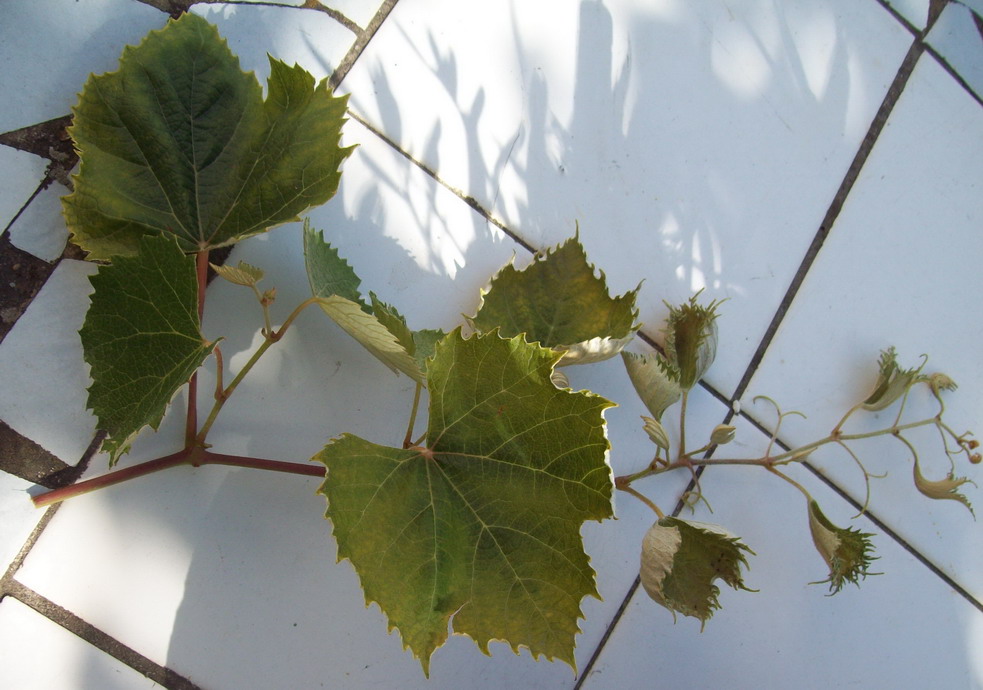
x=816, y=164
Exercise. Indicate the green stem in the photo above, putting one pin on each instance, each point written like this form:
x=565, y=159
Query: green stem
x=408, y=439
x=794, y=455
x=849, y=413
x=791, y=481
x=682, y=425
x=220, y=398
x=644, y=499
x=267, y=327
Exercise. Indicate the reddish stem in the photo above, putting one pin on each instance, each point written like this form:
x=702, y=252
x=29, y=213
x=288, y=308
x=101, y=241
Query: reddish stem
x=195, y=457
x=261, y=464
x=191, y=426
x=112, y=478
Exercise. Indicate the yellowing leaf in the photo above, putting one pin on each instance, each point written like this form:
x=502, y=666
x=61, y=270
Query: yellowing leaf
x=143, y=304
x=558, y=302
x=180, y=142
x=481, y=527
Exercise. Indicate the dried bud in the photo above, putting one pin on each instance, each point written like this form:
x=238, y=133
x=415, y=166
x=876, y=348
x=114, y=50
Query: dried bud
x=269, y=296
x=940, y=382
x=723, y=433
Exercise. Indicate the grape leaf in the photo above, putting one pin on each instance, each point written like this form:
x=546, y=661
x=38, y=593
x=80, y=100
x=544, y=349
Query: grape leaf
x=378, y=327
x=846, y=551
x=558, y=302
x=681, y=559
x=142, y=304
x=483, y=524
x=179, y=141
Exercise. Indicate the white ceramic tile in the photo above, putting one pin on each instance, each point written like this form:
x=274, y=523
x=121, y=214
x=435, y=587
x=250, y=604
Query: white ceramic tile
x=21, y=173
x=49, y=48
x=313, y=40
x=358, y=11
x=41, y=655
x=40, y=229
x=697, y=144
x=41, y=358
x=899, y=268
x=915, y=11
x=18, y=517
x=228, y=576
x=902, y=629
x=956, y=37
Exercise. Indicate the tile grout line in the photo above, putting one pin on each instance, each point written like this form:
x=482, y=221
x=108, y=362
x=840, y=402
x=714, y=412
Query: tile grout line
x=10, y=586
x=833, y=212
x=880, y=524
x=361, y=42
x=921, y=36
x=166, y=677
x=460, y=194
x=57, y=614
x=877, y=125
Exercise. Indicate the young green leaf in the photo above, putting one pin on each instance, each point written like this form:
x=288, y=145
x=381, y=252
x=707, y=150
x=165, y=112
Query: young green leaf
x=482, y=525
x=180, y=142
x=847, y=552
x=379, y=328
x=941, y=489
x=328, y=273
x=892, y=381
x=143, y=304
x=682, y=558
x=650, y=375
x=558, y=302
x=691, y=341
x=244, y=274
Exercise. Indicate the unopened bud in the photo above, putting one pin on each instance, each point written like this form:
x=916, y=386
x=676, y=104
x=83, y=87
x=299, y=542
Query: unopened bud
x=559, y=379
x=723, y=433
x=656, y=432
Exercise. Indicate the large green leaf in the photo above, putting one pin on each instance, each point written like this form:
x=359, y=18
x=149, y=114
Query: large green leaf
x=559, y=302
x=483, y=524
x=142, y=338
x=379, y=328
x=179, y=141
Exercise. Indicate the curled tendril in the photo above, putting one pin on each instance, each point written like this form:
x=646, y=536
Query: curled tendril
x=867, y=477
x=778, y=423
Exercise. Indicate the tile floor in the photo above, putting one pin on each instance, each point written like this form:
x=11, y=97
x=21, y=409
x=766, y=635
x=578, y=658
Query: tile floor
x=819, y=164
